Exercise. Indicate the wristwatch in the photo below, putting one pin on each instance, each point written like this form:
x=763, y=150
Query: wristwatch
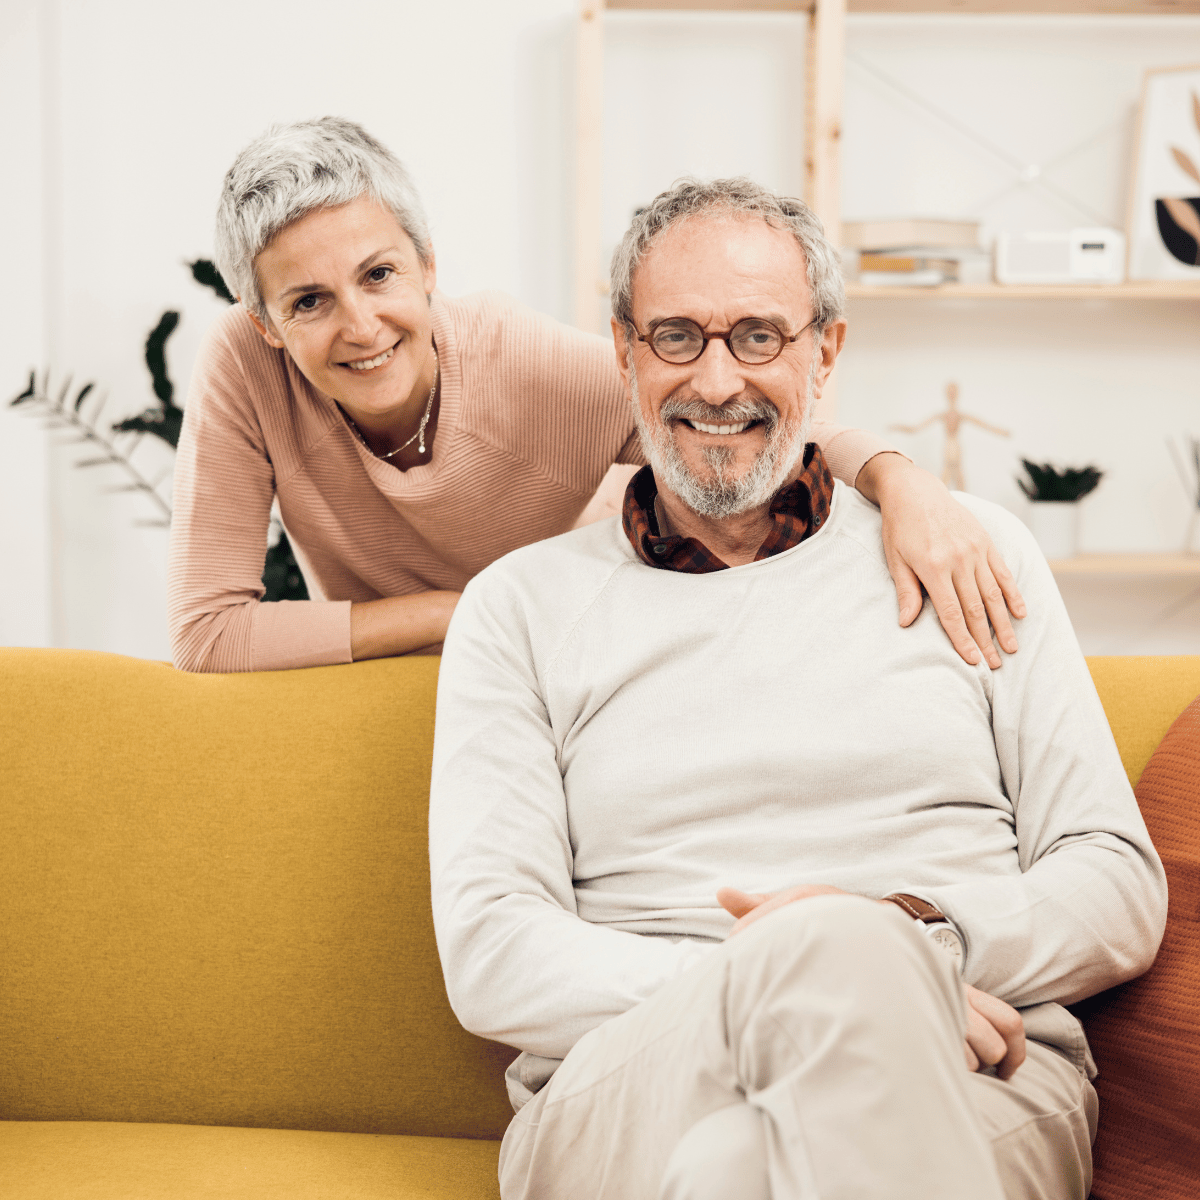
x=933, y=921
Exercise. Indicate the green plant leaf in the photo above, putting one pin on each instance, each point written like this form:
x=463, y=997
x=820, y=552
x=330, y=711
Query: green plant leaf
x=28, y=394
x=156, y=359
x=1048, y=482
x=206, y=274
x=83, y=394
x=281, y=575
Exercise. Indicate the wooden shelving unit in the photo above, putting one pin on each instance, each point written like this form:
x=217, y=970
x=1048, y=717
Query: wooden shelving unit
x=823, y=119
x=998, y=291
x=1160, y=566
x=822, y=191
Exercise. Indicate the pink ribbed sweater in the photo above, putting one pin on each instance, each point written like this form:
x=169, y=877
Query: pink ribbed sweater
x=532, y=415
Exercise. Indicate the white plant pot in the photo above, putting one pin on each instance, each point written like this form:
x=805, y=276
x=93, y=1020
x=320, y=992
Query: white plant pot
x=1055, y=526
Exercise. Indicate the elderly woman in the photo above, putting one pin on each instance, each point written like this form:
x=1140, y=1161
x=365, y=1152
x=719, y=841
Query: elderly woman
x=411, y=439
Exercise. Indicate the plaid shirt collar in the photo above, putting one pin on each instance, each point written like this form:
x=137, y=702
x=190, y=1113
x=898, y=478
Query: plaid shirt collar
x=797, y=512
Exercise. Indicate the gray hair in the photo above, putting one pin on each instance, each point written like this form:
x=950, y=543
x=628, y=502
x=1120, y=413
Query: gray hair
x=292, y=170
x=690, y=197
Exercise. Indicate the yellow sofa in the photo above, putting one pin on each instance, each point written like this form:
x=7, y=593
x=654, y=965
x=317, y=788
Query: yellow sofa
x=218, y=976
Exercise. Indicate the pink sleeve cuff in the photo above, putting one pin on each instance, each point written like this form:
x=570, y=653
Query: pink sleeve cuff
x=300, y=633
x=848, y=450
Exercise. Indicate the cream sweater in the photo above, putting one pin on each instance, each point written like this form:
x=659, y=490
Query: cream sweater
x=615, y=742
x=532, y=414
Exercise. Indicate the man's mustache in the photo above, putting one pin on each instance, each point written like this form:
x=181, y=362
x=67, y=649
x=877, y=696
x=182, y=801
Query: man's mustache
x=746, y=408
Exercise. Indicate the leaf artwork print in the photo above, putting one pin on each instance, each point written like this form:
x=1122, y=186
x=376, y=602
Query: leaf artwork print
x=1179, y=216
x=1186, y=163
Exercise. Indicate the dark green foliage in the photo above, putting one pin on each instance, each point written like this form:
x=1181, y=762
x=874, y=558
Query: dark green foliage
x=206, y=274
x=156, y=357
x=166, y=419
x=1052, y=483
x=29, y=393
x=281, y=574
x=60, y=412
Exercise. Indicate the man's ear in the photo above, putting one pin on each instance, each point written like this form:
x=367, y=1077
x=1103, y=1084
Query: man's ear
x=832, y=341
x=623, y=349
x=269, y=335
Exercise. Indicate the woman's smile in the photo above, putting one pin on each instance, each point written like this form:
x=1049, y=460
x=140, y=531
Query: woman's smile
x=369, y=364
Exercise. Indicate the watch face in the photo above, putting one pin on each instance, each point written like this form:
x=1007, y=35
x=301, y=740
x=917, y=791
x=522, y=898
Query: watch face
x=948, y=940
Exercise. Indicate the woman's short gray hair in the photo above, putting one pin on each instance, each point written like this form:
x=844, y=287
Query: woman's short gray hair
x=690, y=197
x=292, y=170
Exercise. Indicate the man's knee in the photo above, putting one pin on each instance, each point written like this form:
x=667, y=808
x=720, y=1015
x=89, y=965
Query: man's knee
x=838, y=954
x=724, y=1154
x=851, y=931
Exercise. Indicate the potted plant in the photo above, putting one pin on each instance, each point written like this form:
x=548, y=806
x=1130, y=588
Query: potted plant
x=81, y=416
x=1054, y=494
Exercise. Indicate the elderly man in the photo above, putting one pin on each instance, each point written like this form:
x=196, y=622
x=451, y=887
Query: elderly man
x=775, y=899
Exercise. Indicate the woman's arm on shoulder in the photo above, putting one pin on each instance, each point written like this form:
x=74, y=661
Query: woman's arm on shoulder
x=932, y=540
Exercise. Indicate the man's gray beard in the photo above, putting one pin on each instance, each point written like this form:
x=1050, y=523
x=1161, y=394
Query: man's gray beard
x=724, y=495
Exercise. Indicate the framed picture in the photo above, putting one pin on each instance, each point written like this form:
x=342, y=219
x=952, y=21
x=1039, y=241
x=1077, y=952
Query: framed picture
x=1164, y=208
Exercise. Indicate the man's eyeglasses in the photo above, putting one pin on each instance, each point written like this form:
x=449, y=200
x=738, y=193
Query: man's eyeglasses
x=754, y=341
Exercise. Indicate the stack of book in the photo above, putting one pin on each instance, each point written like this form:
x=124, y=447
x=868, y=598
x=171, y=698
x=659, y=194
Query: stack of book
x=915, y=253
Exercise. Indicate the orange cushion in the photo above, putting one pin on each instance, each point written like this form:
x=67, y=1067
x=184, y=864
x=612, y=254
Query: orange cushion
x=1146, y=1034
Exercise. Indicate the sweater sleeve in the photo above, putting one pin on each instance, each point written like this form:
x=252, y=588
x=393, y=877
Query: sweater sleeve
x=1089, y=907
x=501, y=855
x=223, y=490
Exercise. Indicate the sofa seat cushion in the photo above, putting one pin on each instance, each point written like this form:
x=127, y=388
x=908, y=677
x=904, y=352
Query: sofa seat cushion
x=105, y=1160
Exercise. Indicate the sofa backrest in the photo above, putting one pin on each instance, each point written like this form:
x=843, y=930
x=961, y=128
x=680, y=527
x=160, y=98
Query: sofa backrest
x=215, y=898
x=215, y=894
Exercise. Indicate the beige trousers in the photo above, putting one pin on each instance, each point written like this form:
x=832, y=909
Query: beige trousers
x=818, y=1054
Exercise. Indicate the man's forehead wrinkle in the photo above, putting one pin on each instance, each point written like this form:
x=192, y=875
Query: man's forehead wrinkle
x=722, y=268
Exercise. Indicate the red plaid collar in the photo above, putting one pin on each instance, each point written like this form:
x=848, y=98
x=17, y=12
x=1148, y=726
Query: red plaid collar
x=797, y=512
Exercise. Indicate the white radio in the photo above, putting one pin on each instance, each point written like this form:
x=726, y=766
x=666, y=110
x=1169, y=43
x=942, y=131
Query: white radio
x=1077, y=256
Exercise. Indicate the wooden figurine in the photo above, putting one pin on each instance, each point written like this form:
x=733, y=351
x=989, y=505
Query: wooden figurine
x=952, y=419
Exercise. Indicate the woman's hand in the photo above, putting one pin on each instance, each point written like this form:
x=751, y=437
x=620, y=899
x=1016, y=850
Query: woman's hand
x=931, y=539
x=400, y=624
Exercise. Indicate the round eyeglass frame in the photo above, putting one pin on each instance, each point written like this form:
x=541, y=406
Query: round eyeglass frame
x=726, y=337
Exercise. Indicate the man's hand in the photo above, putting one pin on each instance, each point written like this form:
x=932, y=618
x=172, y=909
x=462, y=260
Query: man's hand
x=931, y=539
x=749, y=907
x=995, y=1034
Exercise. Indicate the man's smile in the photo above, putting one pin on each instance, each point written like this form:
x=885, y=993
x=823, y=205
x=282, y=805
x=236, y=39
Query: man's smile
x=719, y=430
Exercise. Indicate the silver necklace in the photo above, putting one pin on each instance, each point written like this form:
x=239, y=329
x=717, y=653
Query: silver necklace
x=420, y=428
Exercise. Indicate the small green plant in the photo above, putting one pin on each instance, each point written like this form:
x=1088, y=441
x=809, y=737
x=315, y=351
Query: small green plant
x=81, y=415
x=1048, y=482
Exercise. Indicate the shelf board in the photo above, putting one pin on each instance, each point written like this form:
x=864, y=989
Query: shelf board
x=1140, y=8
x=1128, y=564
x=999, y=291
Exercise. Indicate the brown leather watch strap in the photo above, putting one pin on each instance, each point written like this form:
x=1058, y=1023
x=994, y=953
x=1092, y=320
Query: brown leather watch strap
x=919, y=910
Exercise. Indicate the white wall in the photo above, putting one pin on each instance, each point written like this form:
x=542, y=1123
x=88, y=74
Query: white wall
x=26, y=617
x=150, y=104
x=120, y=117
